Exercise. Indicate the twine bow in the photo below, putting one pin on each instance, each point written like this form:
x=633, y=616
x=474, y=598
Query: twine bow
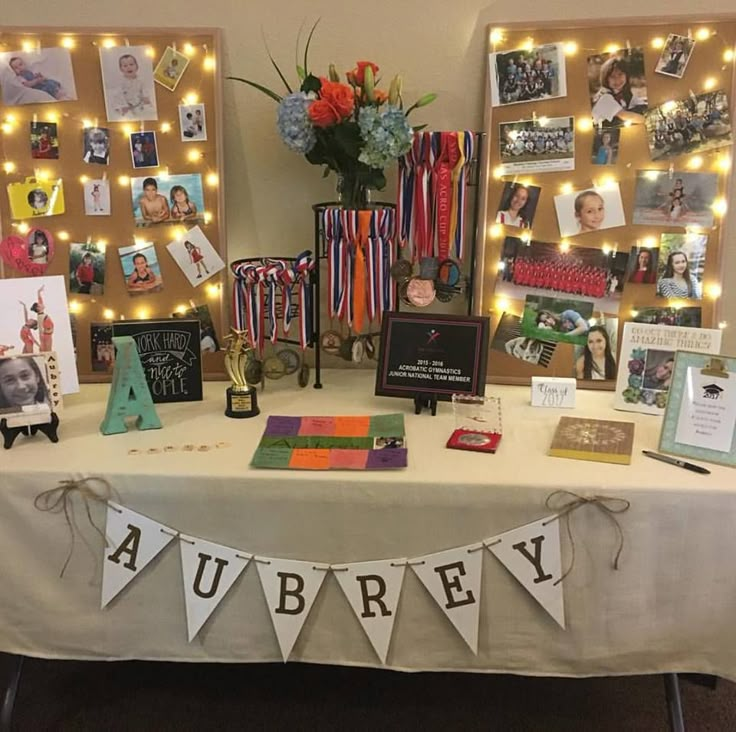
x=565, y=502
x=59, y=500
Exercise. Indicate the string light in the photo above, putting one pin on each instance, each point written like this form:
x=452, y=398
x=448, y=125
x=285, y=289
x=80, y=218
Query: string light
x=528, y=45
x=634, y=313
x=87, y=123
x=606, y=249
x=728, y=55
x=702, y=34
x=565, y=245
x=628, y=123
x=68, y=42
x=138, y=243
x=101, y=244
x=496, y=231
x=502, y=304
x=585, y=124
x=543, y=121
x=28, y=46
x=652, y=174
x=720, y=206
x=498, y=172
x=567, y=188
x=207, y=217
x=710, y=83
x=150, y=52
x=109, y=43
x=612, y=48
x=189, y=49
x=6, y=127
x=213, y=290
x=124, y=180
x=607, y=181
x=193, y=156
x=143, y=313
x=209, y=63
x=75, y=306
x=62, y=235
x=695, y=162
x=526, y=237
x=191, y=98
x=496, y=35
x=669, y=106
x=212, y=179
x=8, y=166
x=713, y=290
x=43, y=175
x=571, y=48
x=658, y=42
x=127, y=129
x=108, y=314
x=724, y=163
x=723, y=324
x=83, y=178
x=181, y=309
x=650, y=242
x=592, y=322
x=165, y=127
x=23, y=228
x=500, y=266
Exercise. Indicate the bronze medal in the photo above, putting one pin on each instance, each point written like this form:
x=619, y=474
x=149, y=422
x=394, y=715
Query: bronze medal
x=291, y=360
x=448, y=272
x=330, y=342
x=273, y=368
x=401, y=270
x=420, y=293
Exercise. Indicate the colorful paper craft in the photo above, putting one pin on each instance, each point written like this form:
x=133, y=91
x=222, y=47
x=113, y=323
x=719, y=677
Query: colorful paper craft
x=333, y=443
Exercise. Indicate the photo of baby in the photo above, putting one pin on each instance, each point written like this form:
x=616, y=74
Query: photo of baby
x=675, y=56
x=617, y=86
x=86, y=269
x=143, y=150
x=674, y=199
x=593, y=209
x=44, y=141
x=196, y=256
x=37, y=77
x=127, y=81
x=97, y=197
x=141, y=269
x=97, y=146
x=192, y=122
x=174, y=198
x=170, y=68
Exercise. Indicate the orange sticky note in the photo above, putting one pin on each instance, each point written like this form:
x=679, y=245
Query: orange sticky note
x=307, y=459
x=352, y=426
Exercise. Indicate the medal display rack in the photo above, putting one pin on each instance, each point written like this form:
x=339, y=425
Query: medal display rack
x=442, y=278
x=307, y=323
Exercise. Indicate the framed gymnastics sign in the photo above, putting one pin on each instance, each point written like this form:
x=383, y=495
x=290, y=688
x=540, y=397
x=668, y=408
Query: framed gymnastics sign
x=603, y=190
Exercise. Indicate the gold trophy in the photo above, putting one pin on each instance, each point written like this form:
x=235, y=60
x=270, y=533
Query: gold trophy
x=241, y=397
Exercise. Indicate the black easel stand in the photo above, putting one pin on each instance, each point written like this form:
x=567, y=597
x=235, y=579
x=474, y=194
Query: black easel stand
x=10, y=692
x=425, y=401
x=48, y=429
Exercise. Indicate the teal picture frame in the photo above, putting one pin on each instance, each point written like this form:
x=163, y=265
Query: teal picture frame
x=667, y=442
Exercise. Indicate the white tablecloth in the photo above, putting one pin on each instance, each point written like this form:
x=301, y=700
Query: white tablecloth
x=670, y=607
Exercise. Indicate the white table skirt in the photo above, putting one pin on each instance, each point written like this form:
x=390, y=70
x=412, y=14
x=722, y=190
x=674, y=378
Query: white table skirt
x=670, y=607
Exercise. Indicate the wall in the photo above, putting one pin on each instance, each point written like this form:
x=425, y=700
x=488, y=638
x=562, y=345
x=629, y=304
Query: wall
x=436, y=46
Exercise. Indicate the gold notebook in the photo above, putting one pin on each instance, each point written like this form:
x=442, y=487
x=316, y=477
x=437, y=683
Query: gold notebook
x=602, y=440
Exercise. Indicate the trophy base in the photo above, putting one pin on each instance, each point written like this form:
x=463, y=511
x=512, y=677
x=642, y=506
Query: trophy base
x=242, y=404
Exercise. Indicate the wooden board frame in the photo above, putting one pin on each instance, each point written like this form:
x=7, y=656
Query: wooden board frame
x=119, y=229
x=599, y=34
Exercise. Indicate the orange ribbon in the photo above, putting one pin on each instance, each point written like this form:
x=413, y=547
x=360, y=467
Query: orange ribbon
x=359, y=274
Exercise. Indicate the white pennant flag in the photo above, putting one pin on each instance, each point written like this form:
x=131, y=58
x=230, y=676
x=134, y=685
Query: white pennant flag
x=532, y=554
x=290, y=587
x=373, y=590
x=209, y=571
x=134, y=541
x=453, y=579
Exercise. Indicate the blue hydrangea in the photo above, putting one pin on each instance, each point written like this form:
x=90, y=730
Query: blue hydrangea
x=293, y=123
x=386, y=135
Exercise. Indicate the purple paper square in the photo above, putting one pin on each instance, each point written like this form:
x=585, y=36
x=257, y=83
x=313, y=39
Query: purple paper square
x=386, y=458
x=283, y=426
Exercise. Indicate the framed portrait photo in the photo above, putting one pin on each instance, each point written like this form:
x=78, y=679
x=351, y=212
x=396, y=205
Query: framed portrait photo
x=29, y=387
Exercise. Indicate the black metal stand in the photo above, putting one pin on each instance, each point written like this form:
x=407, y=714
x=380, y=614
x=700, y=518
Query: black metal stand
x=47, y=428
x=425, y=401
x=6, y=711
x=674, y=702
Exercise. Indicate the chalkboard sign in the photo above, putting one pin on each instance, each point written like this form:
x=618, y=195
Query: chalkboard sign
x=170, y=354
x=432, y=355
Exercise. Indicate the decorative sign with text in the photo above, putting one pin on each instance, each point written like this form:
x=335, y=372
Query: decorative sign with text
x=439, y=355
x=170, y=353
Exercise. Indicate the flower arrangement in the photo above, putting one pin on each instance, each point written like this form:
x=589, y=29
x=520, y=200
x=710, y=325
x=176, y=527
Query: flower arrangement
x=351, y=127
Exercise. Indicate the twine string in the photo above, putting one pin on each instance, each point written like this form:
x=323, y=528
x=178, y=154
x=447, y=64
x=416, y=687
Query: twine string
x=566, y=502
x=59, y=500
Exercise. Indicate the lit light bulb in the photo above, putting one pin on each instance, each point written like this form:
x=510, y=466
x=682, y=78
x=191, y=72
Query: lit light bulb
x=710, y=83
x=181, y=309
x=565, y=245
x=502, y=304
x=143, y=313
x=628, y=123
x=75, y=306
x=138, y=243
x=124, y=180
x=8, y=166
x=28, y=46
x=193, y=156
x=11, y=119
x=526, y=237
x=720, y=206
x=43, y=175
x=212, y=179
x=496, y=231
x=724, y=163
x=207, y=217
x=650, y=242
x=62, y=235
x=606, y=249
x=23, y=228
x=189, y=49
x=592, y=321
x=496, y=35
x=83, y=178
x=607, y=181
x=567, y=188
x=723, y=324
x=612, y=48
x=713, y=290
x=108, y=314
x=68, y=42
x=500, y=266
x=543, y=121
x=498, y=172
x=150, y=51
x=571, y=48
x=87, y=123
x=728, y=55
x=702, y=34
x=6, y=127
x=669, y=106
x=658, y=42
x=652, y=174
x=127, y=129
x=213, y=290
x=528, y=45
x=165, y=127
x=164, y=174
x=191, y=98
x=634, y=313
x=209, y=63
x=109, y=43
x=695, y=162
x=585, y=124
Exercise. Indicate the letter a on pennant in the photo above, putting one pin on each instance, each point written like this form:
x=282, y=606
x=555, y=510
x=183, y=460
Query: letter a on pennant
x=453, y=579
x=134, y=540
x=290, y=587
x=129, y=393
x=532, y=554
x=373, y=590
x=209, y=571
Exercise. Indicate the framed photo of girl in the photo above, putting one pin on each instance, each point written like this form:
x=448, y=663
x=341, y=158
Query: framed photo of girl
x=518, y=205
x=29, y=388
x=596, y=360
x=617, y=85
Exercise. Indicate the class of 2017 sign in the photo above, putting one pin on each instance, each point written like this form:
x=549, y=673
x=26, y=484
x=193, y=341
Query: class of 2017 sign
x=439, y=354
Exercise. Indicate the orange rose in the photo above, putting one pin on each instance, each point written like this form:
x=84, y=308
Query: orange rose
x=339, y=96
x=322, y=113
x=357, y=75
x=380, y=96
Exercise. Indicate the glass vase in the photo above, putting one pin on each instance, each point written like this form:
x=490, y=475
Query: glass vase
x=351, y=193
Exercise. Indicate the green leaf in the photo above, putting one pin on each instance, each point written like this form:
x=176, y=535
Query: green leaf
x=347, y=136
x=311, y=84
x=274, y=64
x=301, y=73
x=309, y=40
x=418, y=128
x=260, y=87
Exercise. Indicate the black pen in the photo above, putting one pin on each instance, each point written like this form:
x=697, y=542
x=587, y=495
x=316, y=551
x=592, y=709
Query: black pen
x=675, y=461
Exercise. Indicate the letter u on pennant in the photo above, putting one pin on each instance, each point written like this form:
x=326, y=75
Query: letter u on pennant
x=209, y=571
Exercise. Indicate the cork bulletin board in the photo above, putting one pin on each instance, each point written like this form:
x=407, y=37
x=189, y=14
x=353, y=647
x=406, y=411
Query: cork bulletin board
x=609, y=158
x=72, y=119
